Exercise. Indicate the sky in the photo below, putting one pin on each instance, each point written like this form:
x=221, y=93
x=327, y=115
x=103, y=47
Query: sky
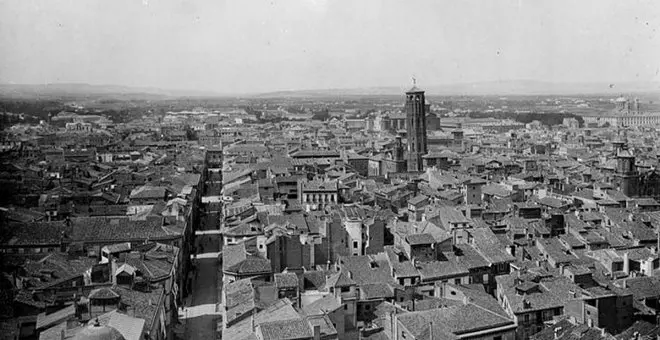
x=247, y=46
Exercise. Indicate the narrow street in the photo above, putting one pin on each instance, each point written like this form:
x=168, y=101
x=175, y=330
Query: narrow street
x=200, y=314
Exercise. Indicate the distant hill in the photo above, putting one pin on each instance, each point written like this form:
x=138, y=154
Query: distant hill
x=513, y=87
x=75, y=90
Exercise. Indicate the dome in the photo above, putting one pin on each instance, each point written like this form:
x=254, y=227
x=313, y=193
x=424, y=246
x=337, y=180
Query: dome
x=97, y=332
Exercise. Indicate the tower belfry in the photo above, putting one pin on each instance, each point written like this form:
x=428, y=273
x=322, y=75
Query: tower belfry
x=416, y=127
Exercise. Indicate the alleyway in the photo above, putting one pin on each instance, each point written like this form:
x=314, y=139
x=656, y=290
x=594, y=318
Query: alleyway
x=200, y=314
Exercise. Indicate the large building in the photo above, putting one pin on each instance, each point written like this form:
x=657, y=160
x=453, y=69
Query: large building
x=416, y=128
x=626, y=113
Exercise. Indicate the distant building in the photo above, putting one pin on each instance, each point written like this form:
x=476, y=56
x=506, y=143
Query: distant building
x=625, y=113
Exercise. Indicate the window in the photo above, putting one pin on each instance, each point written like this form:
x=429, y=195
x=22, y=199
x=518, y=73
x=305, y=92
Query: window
x=499, y=337
x=355, y=244
x=457, y=281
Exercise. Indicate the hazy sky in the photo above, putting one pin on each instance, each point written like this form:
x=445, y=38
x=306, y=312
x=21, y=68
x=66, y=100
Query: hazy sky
x=255, y=45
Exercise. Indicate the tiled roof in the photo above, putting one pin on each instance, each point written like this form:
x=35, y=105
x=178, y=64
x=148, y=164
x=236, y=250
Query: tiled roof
x=143, y=304
x=407, y=228
x=565, y=330
x=241, y=259
x=130, y=328
x=286, y=280
x=403, y=268
x=367, y=269
x=643, y=328
x=60, y=265
x=644, y=287
x=44, y=320
x=327, y=329
x=35, y=233
x=321, y=306
x=451, y=321
x=314, y=279
x=148, y=192
x=102, y=294
x=420, y=239
x=417, y=199
x=285, y=330
x=121, y=229
x=339, y=279
x=239, y=298
x=489, y=246
x=376, y=291
x=468, y=257
x=553, y=292
x=280, y=310
x=435, y=270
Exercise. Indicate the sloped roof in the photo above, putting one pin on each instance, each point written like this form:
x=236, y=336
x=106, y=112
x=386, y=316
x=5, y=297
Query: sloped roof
x=286, y=280
x=45, y=320
x=285, y=330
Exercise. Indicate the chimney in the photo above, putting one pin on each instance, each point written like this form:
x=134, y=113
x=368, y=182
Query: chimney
x=556, y=332
x=317, y=332
x=113, y=269
x=393, y=332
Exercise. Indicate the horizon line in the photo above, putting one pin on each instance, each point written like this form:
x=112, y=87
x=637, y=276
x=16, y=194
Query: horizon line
x=139, y=89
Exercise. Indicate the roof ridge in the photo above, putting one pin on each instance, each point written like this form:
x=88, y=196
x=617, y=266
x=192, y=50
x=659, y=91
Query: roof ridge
x=488, y=310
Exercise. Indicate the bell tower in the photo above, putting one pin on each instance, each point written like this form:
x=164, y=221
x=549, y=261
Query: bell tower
x=416, y=128
x=626, y=173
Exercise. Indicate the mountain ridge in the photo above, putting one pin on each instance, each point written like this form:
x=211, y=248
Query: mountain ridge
x=508, y=87
x=515, y=87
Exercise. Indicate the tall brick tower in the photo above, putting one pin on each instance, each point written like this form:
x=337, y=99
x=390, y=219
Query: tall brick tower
x=416, y=128
x=626, y=173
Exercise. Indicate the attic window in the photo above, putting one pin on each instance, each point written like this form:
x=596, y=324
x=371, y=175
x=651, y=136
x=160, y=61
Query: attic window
x=373, y=265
